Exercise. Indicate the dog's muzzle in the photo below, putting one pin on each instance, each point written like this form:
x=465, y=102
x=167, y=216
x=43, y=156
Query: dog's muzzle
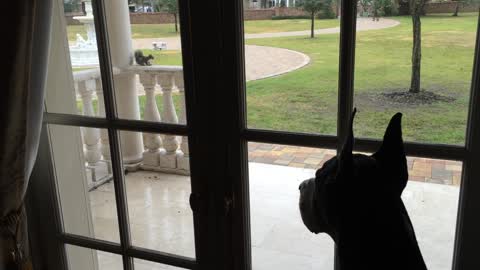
x=308, y=206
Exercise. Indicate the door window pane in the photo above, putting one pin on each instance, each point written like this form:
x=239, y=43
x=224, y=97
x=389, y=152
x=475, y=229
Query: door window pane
x=383, y=76
x=291, y=78
x=158, y=191
x=431, y=197
x=147, y=265
x=74, y=84
x=81, y=158
x=145, y=42
x=280, y=240
x=80, y=258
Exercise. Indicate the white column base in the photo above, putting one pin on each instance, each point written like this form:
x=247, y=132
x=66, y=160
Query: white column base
x=97, y=172
x=183, y=162
x=168, y=160
x=132, y=159
x=152, y=158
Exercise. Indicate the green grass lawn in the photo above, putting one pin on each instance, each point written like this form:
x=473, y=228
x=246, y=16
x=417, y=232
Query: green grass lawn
x=308, y=97
x=168, y=58
x=251, y=27
x=305, y=100
x=273, y=26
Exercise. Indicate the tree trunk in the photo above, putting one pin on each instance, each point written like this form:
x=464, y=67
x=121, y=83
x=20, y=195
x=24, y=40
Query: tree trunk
x=457, y=7
x=175, y=17
x=312, y=31
x=416, y=54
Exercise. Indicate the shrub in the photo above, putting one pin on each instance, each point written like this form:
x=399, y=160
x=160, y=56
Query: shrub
x=390, y=8
x=327, y=10
x=327, y=13
x=290, y=17
x=72, y=6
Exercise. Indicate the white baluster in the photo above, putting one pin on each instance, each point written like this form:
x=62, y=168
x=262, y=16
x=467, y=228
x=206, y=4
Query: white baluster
x=91, y=136
x=152, y=141
x=183, y=158
x=104, y=143
x=170, y=143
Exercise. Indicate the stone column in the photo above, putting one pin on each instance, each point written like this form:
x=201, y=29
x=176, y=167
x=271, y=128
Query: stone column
x=118, y=24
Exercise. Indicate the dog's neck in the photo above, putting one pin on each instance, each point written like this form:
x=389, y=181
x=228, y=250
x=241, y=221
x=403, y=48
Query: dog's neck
x=379, y=243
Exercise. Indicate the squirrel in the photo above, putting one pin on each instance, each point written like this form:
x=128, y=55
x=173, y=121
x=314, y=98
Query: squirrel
x=141, y=59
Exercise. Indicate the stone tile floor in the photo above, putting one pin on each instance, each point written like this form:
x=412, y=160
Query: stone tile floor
x=161, y=219
x=419, y=169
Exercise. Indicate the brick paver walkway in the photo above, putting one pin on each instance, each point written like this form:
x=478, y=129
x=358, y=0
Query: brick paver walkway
x=419, y=169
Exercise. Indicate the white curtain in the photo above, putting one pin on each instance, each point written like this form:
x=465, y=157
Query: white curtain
x=25, y=39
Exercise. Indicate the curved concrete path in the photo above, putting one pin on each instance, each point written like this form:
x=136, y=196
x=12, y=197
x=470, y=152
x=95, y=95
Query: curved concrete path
x=262, y=61
x=363, y=24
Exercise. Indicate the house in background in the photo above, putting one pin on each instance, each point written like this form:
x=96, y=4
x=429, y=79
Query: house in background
x=259, y=4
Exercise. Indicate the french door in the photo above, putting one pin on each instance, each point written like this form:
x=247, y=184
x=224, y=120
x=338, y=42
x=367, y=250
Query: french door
x=215, y=137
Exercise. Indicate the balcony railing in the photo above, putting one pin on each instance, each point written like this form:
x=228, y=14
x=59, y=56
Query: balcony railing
x=164, y=153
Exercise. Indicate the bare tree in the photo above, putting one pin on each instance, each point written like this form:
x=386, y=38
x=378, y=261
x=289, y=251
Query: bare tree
x=416, y=7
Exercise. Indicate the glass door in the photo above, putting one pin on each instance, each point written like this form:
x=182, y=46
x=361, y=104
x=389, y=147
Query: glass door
x=117, y=129
x=192, y=159
x=304, y=75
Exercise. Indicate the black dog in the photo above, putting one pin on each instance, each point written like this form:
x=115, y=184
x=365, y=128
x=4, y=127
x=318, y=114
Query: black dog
x=356, y=200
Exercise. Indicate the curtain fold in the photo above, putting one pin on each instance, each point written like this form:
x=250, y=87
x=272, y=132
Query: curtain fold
x=25, y=37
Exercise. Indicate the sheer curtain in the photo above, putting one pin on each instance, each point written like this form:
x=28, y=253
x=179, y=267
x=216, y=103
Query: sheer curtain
x=25, y=39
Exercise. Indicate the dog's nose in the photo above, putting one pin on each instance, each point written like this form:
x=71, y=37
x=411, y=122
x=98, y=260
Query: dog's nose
x=300, y=186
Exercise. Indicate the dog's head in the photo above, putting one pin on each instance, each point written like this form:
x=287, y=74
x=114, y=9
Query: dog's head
x=356, y=189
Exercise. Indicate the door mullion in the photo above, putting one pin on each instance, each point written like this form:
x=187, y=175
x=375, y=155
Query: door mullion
x=216, y=119
x=346, y=74
x=238, y=191
x=467, y=237
x=113, y=134
x=194, y=113
x=348, y=24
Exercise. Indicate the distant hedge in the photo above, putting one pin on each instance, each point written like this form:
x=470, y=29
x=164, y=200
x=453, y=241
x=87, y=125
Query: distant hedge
x=290, y=17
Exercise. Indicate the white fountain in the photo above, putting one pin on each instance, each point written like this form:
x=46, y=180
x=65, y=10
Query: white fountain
x=84, y=52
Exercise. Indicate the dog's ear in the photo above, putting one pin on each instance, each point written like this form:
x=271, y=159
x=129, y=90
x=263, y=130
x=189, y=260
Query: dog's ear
x=391, y=155
x=345, y=158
